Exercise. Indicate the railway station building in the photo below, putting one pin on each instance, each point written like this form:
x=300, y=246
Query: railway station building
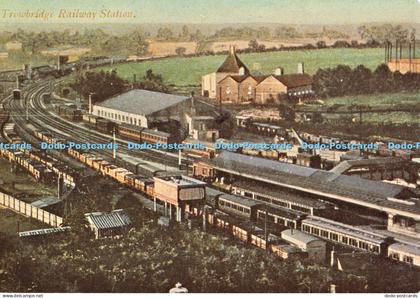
x=395, y=205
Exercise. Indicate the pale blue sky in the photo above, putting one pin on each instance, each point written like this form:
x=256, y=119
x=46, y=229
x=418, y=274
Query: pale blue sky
x=235, y=11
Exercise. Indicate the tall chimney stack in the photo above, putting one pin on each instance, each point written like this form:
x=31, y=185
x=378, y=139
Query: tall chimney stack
x=279, y=71
x=232, y=50
x=300, y=68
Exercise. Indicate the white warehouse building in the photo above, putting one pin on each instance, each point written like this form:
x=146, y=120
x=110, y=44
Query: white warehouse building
x=142, y=107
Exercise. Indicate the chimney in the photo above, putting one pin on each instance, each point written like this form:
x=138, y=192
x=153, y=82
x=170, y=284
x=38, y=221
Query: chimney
x=300, y=68
x=232, y=50
x=279, y=71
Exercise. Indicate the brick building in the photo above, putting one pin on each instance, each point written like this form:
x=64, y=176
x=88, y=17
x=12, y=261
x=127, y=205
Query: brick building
x=234, y=83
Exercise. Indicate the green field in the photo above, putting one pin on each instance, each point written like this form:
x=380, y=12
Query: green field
x=376, y=100
x=187, y=72
x=408, y=102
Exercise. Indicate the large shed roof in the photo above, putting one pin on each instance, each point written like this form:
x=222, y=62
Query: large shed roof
x=142, y=102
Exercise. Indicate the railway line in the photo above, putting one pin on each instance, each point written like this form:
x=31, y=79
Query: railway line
x=42, y=119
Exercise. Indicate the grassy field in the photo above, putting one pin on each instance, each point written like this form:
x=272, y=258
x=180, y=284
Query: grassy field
x=186, y=72
x=392, y=118
x=376, y=100
x=410, y=102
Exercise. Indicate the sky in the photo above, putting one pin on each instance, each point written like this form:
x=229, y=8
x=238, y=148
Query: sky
x=221, y=11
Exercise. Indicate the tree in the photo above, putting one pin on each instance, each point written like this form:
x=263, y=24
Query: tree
x=383, y=78
x=361, y=80
x=165, y=33
x=152, y=82
x=321, y=44
x=180, y=51
x=253, y=45
x=138, y=44
x=102, y=84
x=185, y=35
x=287, y=112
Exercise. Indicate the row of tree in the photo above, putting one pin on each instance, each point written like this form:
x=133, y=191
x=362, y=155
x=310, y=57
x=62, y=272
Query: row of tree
x=244, y=32
x=97, y=40
x=104, y=84
x=343, y=80
x=385, y=32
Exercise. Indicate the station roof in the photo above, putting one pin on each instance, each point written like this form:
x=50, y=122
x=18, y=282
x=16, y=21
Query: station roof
x=384, y=162
x=142, y=102
x=369, y=193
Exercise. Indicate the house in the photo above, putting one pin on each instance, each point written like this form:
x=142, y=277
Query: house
x=109, y=224
x=315, y=247
x=201, y=126
x=234, y=83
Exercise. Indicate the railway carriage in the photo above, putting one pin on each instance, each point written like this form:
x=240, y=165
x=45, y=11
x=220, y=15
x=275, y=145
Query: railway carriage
x=346, y=235
x=130, y=132
x=153, y=137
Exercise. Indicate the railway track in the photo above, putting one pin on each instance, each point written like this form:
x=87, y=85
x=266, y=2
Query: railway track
x=42, y=119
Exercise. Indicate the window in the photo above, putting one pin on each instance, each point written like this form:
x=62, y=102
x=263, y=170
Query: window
x=395, y=256
x=248, y=194
x=324, y=234
x=363, y=245
x=344, y=239
x=249, y=90
x=374, y=248
x=315, y=231
x=334, y=236
x=408, y=259
x=353, y=242
x=280, y=203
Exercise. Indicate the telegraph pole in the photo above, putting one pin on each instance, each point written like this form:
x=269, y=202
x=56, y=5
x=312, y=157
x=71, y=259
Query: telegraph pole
x=90, y=102
x=59, y=185
x=27, y=111
x=265, y=228
x=114, y=150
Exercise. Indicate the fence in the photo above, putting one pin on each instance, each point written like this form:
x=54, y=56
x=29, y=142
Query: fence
x=30, y=211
